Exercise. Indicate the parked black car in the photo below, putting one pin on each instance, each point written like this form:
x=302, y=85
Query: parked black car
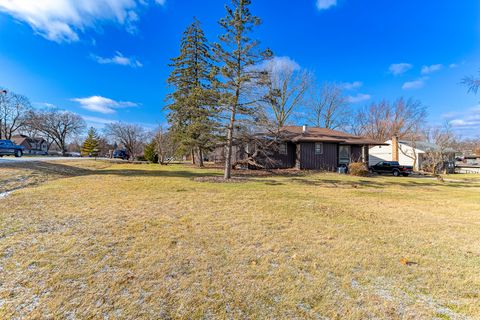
x=391, y=167
x=120, y=154
x=8, y=148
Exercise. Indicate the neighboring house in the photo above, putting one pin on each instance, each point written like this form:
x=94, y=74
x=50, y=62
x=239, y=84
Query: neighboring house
x=470, y=164
x=33, y=146
x=407, y=153
x=472, y=160
x=311, y=148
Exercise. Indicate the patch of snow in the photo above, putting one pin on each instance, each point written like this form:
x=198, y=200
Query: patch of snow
x=3, y=195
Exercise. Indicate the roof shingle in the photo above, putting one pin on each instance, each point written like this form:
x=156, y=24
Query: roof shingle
x=315, y=134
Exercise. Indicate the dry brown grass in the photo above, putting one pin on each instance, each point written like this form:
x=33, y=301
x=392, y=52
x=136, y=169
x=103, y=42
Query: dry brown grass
x=146, y=242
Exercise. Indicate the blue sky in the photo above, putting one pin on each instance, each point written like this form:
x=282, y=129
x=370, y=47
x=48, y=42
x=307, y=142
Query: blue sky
x=108, y=59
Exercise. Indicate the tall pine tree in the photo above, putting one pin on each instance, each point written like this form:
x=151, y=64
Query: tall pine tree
x=239, y=55
x=91, y=144
x=193, y=112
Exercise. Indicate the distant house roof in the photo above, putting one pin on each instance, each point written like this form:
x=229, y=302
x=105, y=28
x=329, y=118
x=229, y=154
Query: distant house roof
x=315, y=134
x=21, y=139
x=425, y=146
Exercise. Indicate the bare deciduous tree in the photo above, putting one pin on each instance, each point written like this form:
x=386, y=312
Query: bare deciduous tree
x=57, y=125
x=381, y=121
x=443, y=139
x=13, y=108
x=131, y=136
x=469, y=146
x=259, y=138
x=472, y=83
x=285, y=90
x=165, y=146
x=328, y=107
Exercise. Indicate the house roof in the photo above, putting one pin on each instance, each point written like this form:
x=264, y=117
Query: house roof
x=20, y=139
x=315, y=134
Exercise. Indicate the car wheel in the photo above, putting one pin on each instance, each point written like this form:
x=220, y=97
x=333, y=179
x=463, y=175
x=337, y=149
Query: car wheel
x=371, y=171
x=396, y=173
x=18, y=154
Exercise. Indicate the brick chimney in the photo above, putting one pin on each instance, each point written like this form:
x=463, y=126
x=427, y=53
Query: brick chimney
x=395, y=149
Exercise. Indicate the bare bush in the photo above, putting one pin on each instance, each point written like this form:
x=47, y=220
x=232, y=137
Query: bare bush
x=358, y=169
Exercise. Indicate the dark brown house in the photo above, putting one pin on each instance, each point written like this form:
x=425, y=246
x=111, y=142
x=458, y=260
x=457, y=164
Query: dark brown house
x=311, y=148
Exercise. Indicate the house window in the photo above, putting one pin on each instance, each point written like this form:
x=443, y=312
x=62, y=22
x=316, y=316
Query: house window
x=282, y=148
x=344, y=153
x=318, y=148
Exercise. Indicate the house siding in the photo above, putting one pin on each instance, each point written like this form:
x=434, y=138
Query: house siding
x=310, y=161
x=285, y=161
x=406, y=155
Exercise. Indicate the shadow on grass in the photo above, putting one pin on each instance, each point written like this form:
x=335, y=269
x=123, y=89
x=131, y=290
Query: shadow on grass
x=157, y=173
x=64, y=170
x=375, y=182
x=58, y=170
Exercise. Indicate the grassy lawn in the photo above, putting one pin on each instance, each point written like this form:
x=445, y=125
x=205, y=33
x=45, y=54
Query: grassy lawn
x=90, y=240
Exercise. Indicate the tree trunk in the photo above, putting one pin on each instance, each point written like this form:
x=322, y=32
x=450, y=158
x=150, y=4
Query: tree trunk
x=229, y=146
x=200, y=157
x=193, y=156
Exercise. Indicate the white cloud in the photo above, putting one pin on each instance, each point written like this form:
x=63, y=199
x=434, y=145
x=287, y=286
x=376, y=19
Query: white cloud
x=361, y=97
x=399, y=68
x=97, y=120
x=44, y=105
x=351, y=85
x=326, y=4
x=468, y=121
x=280, y=64
x=416, y=84
x=102, y=104
x=119, y=59
x=63, y=20
x=431, y=69
x=453, y=66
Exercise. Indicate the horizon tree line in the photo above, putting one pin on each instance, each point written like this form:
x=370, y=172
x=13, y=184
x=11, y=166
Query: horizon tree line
x=228, y=91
